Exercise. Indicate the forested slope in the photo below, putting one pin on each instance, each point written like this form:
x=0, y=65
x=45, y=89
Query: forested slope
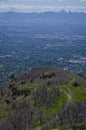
x=44, y=98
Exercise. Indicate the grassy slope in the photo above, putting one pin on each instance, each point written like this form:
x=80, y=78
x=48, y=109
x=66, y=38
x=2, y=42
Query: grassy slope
x=78, y=94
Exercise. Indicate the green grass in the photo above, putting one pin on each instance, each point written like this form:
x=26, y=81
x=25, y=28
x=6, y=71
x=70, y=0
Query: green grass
x=19, y=98
x=55, y=107
x=78, y=93
x=63, y=128
x=4, y=112
x=52, y=109
x=4, y=109
x=30, y=85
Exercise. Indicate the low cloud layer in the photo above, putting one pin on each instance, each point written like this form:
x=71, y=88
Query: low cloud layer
x=42, y=5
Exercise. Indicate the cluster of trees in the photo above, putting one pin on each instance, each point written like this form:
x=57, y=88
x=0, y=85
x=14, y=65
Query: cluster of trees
x=45, y=75
x=24, y=115
x=20, y=119
x=45, y=95
x=73, y=116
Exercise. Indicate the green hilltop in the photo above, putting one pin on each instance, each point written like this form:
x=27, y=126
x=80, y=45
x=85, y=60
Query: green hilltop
x=45, y=98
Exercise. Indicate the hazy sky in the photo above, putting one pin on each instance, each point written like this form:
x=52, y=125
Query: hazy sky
x=42, y=5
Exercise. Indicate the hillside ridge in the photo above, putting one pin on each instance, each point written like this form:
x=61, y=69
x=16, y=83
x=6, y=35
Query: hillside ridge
x=43, y=98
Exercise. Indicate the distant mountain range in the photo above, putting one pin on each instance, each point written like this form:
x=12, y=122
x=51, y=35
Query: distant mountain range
x=45, y=17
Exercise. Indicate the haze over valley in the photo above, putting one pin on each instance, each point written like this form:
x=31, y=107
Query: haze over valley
x=27, y=44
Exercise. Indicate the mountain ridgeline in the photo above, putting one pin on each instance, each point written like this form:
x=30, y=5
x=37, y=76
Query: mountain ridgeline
x=45, y=17
x=45, y=98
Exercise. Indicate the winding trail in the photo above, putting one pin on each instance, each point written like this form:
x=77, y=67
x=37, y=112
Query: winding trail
x=69, y=100
x=69, y=94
